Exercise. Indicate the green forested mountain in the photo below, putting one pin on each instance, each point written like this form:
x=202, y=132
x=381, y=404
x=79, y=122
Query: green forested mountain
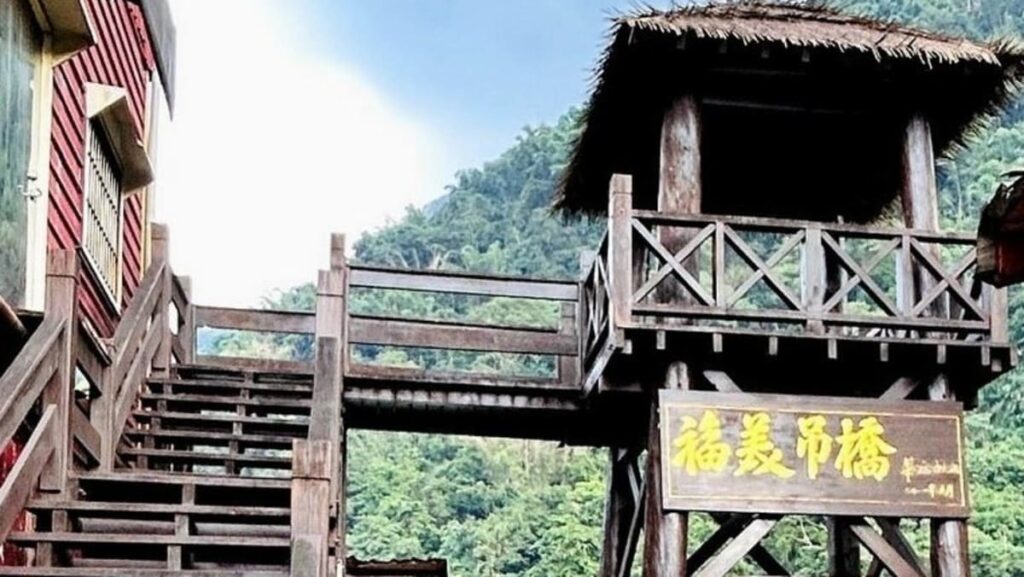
x=529, y=509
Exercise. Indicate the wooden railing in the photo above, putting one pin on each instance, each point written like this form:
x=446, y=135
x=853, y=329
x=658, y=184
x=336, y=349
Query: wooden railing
x=68, y=428
x=682, y=272
x=557, y=341
x=249, y=320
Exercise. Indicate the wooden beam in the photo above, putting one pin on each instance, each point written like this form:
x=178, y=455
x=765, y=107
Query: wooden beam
x=882, y=550
x=731, y=554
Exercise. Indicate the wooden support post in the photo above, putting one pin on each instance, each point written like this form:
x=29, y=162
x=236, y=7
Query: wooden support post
x=312, y=469
x=160, y=243
x=620, y=248
x=619, y=507
x=843, y=549
x=949, y=551
x=919, y=197
x=665, y=532
x=679, y=182
x=326, y=422
x=61, y=302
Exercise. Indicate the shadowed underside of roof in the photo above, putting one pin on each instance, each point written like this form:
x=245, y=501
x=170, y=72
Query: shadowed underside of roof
x=653, y=55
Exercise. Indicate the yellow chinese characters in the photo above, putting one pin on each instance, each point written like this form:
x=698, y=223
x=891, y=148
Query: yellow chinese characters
x=757, y=453
x=699, y=446
x=814, y=445
x=863, y=450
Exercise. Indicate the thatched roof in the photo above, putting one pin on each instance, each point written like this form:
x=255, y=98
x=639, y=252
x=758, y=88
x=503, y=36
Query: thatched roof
x=651, y=53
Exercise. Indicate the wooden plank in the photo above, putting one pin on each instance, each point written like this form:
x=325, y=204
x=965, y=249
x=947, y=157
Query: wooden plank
x=738, y=548
x=725, y=533
x=129, y=388
x=882, y=550
x=295, y=322
x=116, y=507
x=137, y=539
x=370, y=331
x=901, y=388
x=455, y=282
x=21, y=482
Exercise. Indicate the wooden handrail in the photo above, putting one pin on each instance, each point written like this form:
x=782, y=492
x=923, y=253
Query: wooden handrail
x=17, y=489
x=23, y=383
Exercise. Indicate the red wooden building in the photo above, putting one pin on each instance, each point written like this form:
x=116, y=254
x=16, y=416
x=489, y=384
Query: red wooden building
x=84, y=82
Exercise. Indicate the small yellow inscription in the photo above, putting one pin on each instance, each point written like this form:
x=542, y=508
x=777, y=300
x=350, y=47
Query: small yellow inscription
x=757, y=453
x=912, y=468
x=934, y=490
x=863, y=450
x=699, y=446
x=814, y=444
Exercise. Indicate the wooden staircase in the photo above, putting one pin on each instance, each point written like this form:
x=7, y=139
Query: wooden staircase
x=203, y=485
x=170, y=463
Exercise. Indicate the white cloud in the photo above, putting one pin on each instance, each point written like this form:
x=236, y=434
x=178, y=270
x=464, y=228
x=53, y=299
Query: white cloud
x=272, y=148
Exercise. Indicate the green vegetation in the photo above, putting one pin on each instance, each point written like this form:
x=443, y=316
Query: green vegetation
x=516, y=508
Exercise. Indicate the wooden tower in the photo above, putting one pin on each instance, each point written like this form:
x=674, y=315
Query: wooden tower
x=775, y=282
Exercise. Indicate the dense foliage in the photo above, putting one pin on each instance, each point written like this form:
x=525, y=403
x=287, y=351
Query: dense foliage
x=518, y=508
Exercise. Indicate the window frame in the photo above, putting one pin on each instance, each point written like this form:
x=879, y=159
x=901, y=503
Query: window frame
x=95, y=132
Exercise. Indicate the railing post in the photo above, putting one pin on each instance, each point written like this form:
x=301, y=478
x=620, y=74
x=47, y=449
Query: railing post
x=620, y=250
x=187, y=322
x=997, y=313
x=61, y=301
x=814, y=279
x=312, y=468
x=326, y=497
x=568, y=365
x=160, y=246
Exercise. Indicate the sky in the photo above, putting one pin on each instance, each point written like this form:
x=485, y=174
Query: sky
x=298, y=118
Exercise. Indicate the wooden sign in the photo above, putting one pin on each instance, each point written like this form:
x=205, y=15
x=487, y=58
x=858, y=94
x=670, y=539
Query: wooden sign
x=812, y=455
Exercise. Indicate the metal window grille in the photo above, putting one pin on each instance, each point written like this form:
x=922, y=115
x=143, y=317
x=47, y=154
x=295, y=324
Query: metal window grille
x=101, y=235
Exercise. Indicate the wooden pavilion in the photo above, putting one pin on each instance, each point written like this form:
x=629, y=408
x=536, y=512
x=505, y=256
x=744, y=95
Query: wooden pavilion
x=774, y=324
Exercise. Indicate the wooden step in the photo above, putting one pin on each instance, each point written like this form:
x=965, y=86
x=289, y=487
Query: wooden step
x=299, y=422
x=121, y=507
x=164, y=455
x=190, y=437
x=194, y=384
x=66, y=538
x=220, y=400
x=161, y=478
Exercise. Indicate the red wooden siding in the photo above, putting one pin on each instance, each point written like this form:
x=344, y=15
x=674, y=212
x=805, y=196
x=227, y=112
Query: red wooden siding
x=121, y=57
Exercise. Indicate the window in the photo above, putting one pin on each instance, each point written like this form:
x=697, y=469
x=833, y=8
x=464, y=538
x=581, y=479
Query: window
x=101, y=228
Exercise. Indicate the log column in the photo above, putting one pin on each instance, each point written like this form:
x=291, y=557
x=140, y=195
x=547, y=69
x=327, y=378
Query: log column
x=919, y=199
x=665, y=532
x=679, y=182
x=619, y=507
x=949, y=551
